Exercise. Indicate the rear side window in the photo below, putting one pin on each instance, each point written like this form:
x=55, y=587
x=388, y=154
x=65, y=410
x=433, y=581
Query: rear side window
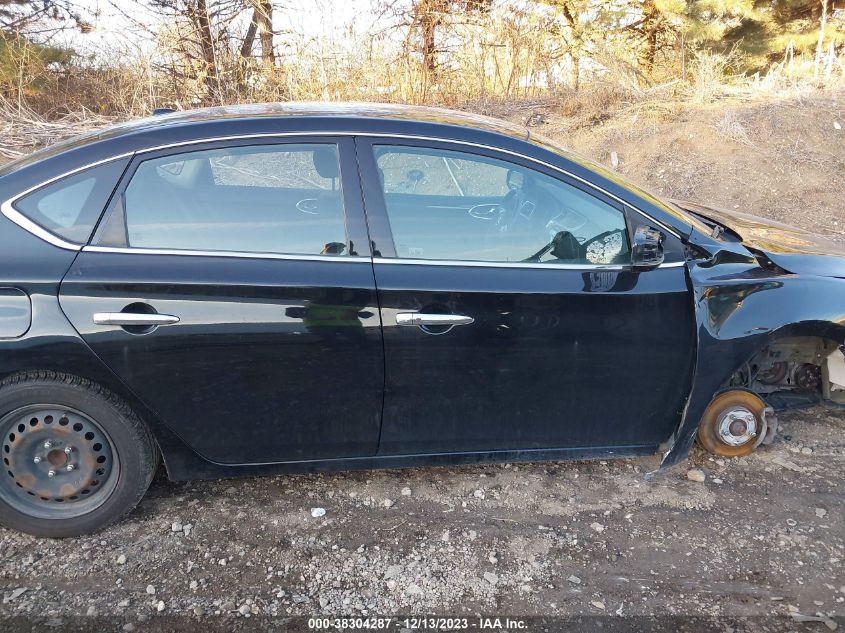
x=284, y=199
x=70, y=207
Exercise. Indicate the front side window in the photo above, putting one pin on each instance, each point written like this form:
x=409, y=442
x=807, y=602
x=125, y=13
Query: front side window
x=262, y=199
x=71, y=206
x=449, y=205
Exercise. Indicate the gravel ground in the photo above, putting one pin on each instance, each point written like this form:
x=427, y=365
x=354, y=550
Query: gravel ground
x=762, y=535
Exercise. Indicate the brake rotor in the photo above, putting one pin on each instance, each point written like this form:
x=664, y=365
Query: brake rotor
x=773, y=374
x=59, y=462
x=733, y=424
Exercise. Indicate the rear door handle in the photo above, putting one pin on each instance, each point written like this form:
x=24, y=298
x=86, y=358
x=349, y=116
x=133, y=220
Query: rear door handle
x=133, y=318
x=417, y=319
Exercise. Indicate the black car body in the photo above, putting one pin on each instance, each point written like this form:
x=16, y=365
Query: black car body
x=287, y=288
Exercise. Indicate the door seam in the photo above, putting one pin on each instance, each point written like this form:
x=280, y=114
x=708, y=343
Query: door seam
x=357, y=147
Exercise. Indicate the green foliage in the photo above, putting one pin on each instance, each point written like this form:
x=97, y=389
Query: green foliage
x=27, y=67
x=758, y=30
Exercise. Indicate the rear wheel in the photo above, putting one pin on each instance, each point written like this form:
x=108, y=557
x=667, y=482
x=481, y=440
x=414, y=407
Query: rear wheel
x=734, y=423
x=75, y=456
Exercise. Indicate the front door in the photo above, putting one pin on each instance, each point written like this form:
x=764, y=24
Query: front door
x=231, y=288
x=512, y=318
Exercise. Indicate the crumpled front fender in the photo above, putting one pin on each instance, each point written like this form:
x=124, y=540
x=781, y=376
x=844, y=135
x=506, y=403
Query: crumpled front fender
x=739, y=309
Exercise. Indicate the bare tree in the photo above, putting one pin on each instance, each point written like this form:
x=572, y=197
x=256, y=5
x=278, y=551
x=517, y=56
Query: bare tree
x=423, y=19
x=39, y=18
x=578, y=21
x=262, y=24
x=206, y=45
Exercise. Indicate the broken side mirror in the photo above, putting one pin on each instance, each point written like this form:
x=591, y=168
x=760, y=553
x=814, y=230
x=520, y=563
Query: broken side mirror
x=647, y=251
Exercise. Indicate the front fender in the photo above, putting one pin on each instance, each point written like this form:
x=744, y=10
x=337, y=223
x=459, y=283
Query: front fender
x=739, y=309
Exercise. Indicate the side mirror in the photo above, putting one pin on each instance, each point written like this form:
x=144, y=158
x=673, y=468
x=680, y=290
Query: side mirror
x=647, y=251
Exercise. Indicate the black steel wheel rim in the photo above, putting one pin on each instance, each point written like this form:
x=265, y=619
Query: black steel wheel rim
x=59, y=462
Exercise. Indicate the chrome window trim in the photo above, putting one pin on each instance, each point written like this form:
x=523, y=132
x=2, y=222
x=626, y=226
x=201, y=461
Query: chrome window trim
x=35, y=229
x=534, y=265
x=233, y=254
x=25, y=223
x=480, y=264
x=361, y=259
x=413, y=137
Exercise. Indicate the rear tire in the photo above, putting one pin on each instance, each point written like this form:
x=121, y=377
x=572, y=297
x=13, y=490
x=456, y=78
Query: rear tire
x=76, y=457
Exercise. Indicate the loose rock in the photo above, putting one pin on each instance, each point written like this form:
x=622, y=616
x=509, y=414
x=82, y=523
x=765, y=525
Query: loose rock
x=696, y=474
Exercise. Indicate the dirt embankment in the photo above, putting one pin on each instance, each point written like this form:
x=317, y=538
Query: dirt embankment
x=783, y=158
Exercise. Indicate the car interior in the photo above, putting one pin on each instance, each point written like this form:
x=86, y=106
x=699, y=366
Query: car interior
x=530, y=218
x=229, y=200
x=267, y=199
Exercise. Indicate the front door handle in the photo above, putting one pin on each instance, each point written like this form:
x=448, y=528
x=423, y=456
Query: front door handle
x=133, y=318
x=419, y=319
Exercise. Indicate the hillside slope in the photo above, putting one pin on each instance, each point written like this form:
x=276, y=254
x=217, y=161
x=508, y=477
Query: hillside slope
x=783, y=159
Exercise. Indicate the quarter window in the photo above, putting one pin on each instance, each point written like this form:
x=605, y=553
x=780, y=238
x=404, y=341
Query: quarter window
x=71, y=206
x=263, y=199
x=450, y=205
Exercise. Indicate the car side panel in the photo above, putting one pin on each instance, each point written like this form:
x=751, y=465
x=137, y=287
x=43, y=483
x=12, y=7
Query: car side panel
x=272, y=359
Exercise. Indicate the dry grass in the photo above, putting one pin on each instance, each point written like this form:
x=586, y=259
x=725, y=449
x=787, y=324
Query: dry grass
x=729, y=126
x=23, y=130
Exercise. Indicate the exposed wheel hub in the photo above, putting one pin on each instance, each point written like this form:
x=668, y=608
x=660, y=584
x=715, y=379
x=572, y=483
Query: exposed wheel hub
x=55, y=456
x=734, y=423
x=737, y=426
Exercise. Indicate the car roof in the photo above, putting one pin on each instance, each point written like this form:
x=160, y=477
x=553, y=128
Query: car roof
x=323, y=109
x=358, y=117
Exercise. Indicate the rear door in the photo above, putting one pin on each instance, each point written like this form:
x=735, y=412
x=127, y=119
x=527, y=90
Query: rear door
x=231, y=287
x=519, y=324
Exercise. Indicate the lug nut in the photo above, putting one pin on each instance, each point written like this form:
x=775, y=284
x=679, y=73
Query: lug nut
x=69, y=467
x=68, y=449
x=37, y=459
x=48, y=445
x=51, y=473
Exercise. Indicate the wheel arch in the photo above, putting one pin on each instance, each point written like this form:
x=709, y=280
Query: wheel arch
x=73, y=358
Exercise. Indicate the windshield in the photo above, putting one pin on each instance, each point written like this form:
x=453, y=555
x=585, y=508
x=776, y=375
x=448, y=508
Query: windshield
x=674, y=211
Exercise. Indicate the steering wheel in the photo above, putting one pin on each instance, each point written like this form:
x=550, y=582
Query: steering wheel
x=513, y=204
x=308, y=206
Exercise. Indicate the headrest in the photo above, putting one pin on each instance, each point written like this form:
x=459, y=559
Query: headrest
x=565, y=246
x=325, y=162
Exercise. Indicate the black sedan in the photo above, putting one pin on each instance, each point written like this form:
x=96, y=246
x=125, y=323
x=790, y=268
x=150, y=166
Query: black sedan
x=289, y=288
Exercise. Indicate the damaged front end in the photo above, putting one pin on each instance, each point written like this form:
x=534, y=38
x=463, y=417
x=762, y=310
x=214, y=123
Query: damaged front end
x=796, y=370
x=764, y=331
